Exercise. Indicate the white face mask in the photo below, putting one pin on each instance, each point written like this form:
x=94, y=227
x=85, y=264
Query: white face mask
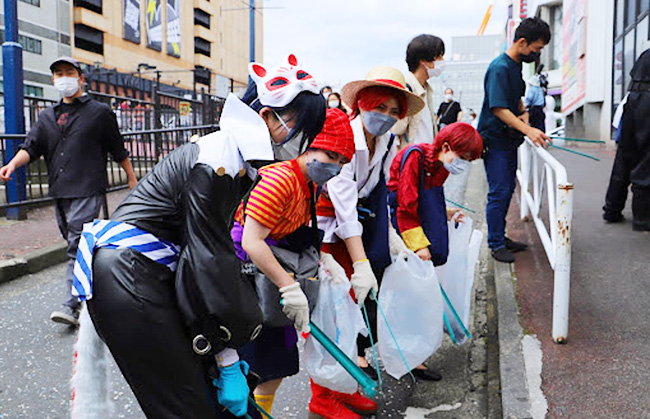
x=67, y=86
x=334, y=103
x=449, y=97
x=437, y=70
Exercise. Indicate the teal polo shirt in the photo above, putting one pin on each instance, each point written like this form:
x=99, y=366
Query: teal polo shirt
x=504, y=86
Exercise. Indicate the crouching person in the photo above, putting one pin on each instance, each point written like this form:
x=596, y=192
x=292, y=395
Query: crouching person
x=273, y=223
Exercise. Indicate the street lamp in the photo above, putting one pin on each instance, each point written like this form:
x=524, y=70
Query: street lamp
x=144, y=66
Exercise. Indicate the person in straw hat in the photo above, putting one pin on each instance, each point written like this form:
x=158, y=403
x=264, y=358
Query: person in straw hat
x=352, y=211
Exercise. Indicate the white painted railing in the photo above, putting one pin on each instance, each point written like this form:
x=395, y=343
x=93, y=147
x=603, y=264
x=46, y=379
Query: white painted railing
x=540, y=176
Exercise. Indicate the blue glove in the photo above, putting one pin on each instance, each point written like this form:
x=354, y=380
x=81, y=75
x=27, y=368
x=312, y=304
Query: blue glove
x=232, y=388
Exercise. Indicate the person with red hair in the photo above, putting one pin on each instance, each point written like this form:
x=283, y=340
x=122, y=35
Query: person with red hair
x=416, y=183
x=352, y=211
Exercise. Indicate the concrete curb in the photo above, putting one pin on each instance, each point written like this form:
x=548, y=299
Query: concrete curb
x=515, y=398
x=33, y=262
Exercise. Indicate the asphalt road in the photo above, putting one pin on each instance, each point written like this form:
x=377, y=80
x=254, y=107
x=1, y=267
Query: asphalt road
x=36, y=360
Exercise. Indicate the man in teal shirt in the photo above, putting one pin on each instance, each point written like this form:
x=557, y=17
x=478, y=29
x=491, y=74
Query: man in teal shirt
x=503, y=125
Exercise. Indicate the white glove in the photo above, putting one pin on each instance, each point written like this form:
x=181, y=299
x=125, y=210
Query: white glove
x=395, y=243
x=363, y=280
x=331, y=266
x=295, y=306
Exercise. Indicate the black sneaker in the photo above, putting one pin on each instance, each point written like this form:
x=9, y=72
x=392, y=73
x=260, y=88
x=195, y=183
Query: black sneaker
x=427, y=374
x=66, y=315
x=640, y=226
x=370, y=372
x=612, y=217
x=502, y=254
x=514, y=246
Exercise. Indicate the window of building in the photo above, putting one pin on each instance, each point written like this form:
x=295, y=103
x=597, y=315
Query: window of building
x=641, y=35
x=29, y=44
x=93, y=5
x=36, y=3
x=89, y=39
x=631, y=33
x=201, y=18
x=201, y=46
x=618, y=72
x=33, y=90
x=630, y=15
x=620, y=15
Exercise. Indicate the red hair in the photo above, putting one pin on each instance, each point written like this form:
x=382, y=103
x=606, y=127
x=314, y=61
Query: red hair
x=462, y=138
x=373, y=96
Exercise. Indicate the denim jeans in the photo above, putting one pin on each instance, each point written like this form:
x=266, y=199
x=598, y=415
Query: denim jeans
x=501, y=169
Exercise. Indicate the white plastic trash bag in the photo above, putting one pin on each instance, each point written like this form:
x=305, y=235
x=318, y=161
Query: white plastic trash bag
x=337, y=315
x=457, y=275
x=411, y=300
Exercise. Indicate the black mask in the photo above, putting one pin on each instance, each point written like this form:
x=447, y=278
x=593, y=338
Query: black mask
x=531, y=57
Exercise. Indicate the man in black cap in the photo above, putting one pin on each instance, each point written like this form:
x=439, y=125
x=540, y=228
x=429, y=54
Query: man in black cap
x=632, y=162
x=74, y=136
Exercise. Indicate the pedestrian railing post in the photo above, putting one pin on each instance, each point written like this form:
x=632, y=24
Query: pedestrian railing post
x=562, y=275
x=549, y=177
x=524, y=181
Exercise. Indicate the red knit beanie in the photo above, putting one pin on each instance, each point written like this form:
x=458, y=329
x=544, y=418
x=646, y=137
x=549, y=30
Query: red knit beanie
x=336, y=135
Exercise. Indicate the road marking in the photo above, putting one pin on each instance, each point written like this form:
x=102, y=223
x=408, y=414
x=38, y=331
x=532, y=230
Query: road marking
x=533, y=361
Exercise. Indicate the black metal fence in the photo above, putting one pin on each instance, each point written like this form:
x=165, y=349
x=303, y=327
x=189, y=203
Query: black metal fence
x=151, y=130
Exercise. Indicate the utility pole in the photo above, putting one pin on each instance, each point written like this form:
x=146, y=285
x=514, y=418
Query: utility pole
x=12, y=73
x=252, y=30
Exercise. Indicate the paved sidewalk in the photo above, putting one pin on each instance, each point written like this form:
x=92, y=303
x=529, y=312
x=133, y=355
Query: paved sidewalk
x=602, y=371
x=36, y=243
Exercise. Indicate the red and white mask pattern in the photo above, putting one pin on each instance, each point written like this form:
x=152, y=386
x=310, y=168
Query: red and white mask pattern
x=279, y=86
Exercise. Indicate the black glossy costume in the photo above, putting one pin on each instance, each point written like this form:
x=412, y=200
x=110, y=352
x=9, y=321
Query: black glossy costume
x=147, y=315
x=632, y=162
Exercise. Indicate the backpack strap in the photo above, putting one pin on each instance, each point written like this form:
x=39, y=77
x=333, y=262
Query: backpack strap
x=417, y=148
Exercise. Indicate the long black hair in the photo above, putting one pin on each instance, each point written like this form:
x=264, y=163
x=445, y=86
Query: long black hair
x=307, y=110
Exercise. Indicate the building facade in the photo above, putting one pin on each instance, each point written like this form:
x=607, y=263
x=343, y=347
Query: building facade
x=600, y=41
x=203, y=43
x=465, y=71
x=44, y=33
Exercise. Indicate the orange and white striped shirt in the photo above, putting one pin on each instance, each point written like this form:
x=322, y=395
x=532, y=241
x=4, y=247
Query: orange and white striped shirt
x=279, y=201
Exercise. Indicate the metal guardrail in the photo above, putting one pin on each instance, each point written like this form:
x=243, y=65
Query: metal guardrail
x=549, y=179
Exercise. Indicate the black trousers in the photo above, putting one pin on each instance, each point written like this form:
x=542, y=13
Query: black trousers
x=71, y=215
x=632, y=162
x=135, y=313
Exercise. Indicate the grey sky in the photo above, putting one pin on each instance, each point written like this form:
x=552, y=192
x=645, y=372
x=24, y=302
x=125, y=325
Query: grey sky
x=340, y=40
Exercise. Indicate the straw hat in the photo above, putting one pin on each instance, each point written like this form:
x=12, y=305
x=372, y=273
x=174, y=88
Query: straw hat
x=383, y=76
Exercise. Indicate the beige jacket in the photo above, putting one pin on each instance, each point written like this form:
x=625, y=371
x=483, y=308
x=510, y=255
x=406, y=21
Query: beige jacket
x=406, y=128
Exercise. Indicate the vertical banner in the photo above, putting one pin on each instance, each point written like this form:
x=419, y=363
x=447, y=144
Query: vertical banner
x=132, y=20
x=153, y=19
x=174, y=28
x=574, y=63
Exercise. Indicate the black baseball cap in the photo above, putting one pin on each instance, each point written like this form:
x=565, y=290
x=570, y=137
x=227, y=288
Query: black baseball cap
x=67, y=60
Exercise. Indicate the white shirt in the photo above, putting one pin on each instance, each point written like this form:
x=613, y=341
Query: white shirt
x=425, y=130
x=356, y=180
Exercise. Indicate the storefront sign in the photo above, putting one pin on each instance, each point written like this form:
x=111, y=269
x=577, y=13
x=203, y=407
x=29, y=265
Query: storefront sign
x=132, y=20
x=574, y=63
x=174, y=28
x=153, y=19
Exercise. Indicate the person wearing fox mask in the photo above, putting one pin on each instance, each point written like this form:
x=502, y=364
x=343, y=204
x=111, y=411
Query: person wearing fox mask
x=162, y=282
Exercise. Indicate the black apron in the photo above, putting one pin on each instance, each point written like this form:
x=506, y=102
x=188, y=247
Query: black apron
x=373, y=215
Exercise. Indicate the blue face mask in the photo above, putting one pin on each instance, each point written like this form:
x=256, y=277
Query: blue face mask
x=377, y=123
x=321, y=172
x=457, y=166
